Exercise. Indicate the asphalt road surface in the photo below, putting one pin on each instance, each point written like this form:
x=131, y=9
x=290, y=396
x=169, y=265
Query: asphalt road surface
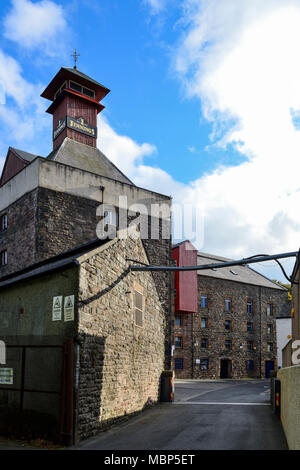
x=212, y=415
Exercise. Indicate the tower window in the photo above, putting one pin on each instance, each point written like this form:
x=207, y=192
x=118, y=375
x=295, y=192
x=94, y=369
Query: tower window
x=178, y=320
x=204, y=343
x=249, y=345
x=64, y=85
x=204, y=322
x=270, y=328
x=270, y=347
x=228, y=344
x=81, y=89
x=227, y=325
x=3, y=258
x=250, y=364
x=249, y=326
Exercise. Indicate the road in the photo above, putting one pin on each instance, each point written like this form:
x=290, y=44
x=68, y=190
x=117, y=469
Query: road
x=211, y=415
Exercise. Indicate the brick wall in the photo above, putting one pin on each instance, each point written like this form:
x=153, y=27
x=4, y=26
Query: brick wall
x=121, y=363
x=216, y=334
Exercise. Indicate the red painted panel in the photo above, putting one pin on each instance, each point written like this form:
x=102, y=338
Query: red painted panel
x=186, y=282
x=13, y=164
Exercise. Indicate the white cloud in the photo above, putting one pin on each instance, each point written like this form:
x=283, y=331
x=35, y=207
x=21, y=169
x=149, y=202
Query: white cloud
x=241, y=59
x=156, y=6
x=22, y=113
x=39, y=25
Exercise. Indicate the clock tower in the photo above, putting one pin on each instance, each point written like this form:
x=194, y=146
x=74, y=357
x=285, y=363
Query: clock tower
x=75, y=105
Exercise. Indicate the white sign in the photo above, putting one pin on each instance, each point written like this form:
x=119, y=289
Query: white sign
x=57, y=308
x=6, y=376
x=197, y=361
x=69, y=308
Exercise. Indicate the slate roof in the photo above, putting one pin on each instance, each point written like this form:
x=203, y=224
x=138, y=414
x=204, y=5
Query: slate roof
x=52, y=264
x=243, y=274
x=87, y=158
x=82, y=75
x=28, y=157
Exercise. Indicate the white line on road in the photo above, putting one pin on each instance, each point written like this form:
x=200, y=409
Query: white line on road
x=216, y=403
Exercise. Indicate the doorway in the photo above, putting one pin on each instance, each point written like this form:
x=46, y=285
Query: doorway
x=225, y=369
x=269, y=367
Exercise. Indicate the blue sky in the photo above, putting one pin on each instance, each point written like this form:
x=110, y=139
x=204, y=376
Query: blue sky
x=204, y=103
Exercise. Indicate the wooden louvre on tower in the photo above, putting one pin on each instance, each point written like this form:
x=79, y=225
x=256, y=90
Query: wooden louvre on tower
x=75, y=105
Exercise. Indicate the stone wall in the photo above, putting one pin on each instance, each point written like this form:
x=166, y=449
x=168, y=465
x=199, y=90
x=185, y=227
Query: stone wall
x=290, y=405
x=19, y=237
x=63, y=222
x=120, y=362
x=216, y=334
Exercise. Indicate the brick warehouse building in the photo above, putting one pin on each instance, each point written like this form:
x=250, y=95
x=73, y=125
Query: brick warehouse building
x=62, y=289
x=225, y=319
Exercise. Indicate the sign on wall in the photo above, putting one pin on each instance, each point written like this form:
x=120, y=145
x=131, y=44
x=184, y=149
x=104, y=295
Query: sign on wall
x=6, y=376
x=81, y=125
x=57, y=308
x=69, y=308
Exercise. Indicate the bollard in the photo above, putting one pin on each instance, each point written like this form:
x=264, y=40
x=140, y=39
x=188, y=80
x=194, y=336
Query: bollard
x=167, y=386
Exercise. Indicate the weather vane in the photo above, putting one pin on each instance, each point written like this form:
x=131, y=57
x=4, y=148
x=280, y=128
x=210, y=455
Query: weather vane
x=75, y=55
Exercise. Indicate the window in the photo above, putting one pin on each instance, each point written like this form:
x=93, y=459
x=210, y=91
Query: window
x=249, y=326
x=228, y=344
x=269, y=328
x=204, y=343
x=227, y=325
x=204, y=363
x=60, y=89
x=249, y=306
x=3, y=258
x=269, y=310
x=203, y=301
x=270, y=347
x=204, y=322
x=81, y=89
x=249, y=345
x=138, y=307
x=227, y=304
x=178, y=320
x=4, y=222
x=178, y=363
x=178, y=342
x=250, y=364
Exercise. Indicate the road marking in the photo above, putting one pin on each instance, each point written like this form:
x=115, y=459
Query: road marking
x=217, y=403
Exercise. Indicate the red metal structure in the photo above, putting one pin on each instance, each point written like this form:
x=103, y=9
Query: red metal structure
x=186, y=300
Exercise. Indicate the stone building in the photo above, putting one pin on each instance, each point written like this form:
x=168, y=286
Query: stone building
x=232, y=331
x=64, y=241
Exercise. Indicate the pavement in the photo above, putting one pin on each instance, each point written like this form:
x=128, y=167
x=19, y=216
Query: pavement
x=206, y=415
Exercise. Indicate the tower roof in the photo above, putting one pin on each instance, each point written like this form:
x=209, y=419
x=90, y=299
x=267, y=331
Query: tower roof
x=66, y=73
